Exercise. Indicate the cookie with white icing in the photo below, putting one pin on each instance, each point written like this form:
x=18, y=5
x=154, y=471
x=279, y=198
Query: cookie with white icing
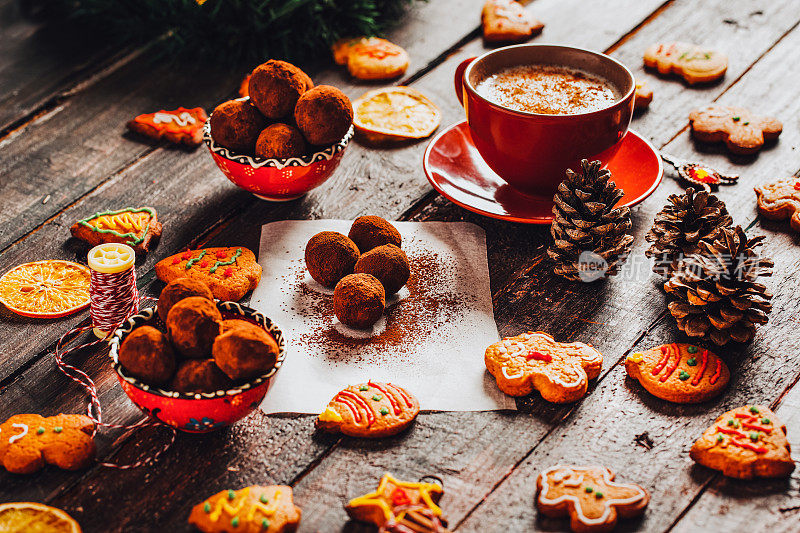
x=28, y=442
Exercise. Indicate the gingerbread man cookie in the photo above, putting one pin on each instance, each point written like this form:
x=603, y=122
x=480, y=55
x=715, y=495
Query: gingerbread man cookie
x=589, y=495
x=181, y=126
x=136, y=227
x=399, y=503
x=779, y=200
x=559, y=371
x=680, y=373
x=371, y=410
x=507, y=21
x=643, y=96
x=230, y=273
x=690, y=61
x=28, y=442
x=744, y=443
x=249, y=510
x=742, y=132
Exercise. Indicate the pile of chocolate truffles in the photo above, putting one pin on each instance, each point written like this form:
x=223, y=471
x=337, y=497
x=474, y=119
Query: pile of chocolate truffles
x=199, y=351
x=363, y=268
x=286, y=116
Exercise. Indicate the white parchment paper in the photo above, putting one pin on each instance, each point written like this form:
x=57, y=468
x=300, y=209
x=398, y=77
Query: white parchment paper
x=431, y=342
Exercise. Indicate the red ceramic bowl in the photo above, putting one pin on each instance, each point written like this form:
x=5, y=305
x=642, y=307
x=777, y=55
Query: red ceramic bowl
x=202, y=411
x=277, y=180
x=531, y=151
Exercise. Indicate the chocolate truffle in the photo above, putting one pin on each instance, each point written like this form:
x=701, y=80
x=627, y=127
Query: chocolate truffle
x=281, y=140
x=236, y=124
x=233, y=323
x=323, y=114
x=245, y=352
x=193, y=324
x=200, y=375
x=388, y=263
x=330, y=256
x=147, y=355
x=370, y=231
x=359, y=300
x=275, y=87
x=177, y=290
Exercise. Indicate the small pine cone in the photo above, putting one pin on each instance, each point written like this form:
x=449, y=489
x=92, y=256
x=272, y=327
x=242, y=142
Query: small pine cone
x=586, y=227
x=715, y=293
x=678, y=228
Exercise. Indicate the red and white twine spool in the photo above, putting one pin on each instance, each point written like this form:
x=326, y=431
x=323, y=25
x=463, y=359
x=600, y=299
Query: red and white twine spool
x=114, y=298
x=112, y=288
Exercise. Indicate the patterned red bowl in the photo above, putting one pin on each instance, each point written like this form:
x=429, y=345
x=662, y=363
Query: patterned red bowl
x=197, y=412
x=277, y=180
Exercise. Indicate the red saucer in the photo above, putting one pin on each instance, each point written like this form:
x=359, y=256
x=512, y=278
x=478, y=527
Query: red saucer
x=456, y=170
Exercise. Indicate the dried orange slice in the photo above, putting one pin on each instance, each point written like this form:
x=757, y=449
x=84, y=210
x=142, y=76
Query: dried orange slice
x=46, y=289
x=395, y=114
x=27, y=517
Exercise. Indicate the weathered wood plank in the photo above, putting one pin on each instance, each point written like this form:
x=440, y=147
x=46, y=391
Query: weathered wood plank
x=38, y=61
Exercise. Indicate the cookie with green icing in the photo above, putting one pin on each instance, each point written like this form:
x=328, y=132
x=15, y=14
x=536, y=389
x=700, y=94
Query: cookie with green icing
x=138, y=227
x=229, y=272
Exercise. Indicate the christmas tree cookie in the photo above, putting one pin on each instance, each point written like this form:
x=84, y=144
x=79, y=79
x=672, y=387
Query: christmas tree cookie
x=138, y=227
x=252, y=509
x=229, y=272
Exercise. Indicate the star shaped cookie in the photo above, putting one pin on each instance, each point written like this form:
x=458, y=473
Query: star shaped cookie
x=394, y=500
x=779, y=200
x=559, y=371
x=589, y=495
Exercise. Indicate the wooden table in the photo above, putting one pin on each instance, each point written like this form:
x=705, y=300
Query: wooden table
x=64, y=153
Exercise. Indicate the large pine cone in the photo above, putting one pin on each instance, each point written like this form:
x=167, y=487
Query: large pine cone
x=586, y=221
x=716, y=293
x=678, y=228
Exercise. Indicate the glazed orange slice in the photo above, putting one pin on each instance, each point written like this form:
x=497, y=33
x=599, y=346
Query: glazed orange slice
x=395, y=114
x=30, y=517
x=45, y=289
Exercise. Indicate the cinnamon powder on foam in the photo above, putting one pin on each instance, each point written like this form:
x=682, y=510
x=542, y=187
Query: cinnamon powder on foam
x=432, y=301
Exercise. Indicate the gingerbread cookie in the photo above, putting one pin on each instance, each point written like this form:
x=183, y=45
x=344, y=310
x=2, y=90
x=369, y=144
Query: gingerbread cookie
x=371, y=410
x=373, y=58
x=181, y=126
x=693, y=63
x=680, y=373
x=230, y=272
x=643, y=96
x=589, y=495
x=779, y=200
x=28, y=442
x=507, y=21
x=137, y=227
x=249, y=510
x=399, y=503
x=742, y=132
x=560, y=371
x=746, y=442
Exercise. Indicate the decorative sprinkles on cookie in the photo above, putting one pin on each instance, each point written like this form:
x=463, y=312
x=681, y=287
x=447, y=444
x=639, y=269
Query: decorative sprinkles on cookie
x=400, y=503
x=371, y=410
x=229, y=272
x=268, y=509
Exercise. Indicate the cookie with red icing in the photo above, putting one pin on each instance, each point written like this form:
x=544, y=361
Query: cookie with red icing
x=746, y=442
x=180, y=126
x=229, y=272
x=401, y=506
x=370, y=410
x=373, y=58
x=560, y=371
x=507, y=21
x=28, y=442
x=253, y=509
x=680, y=373
x=742, y=132
x=589, y=495
x=780, y=199
x=695, y=64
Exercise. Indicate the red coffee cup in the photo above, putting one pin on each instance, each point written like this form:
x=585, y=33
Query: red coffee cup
x=531, y=151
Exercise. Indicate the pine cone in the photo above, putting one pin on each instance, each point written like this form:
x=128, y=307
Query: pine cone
x=715, y=291
x=681, y=225
x=586, y=221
